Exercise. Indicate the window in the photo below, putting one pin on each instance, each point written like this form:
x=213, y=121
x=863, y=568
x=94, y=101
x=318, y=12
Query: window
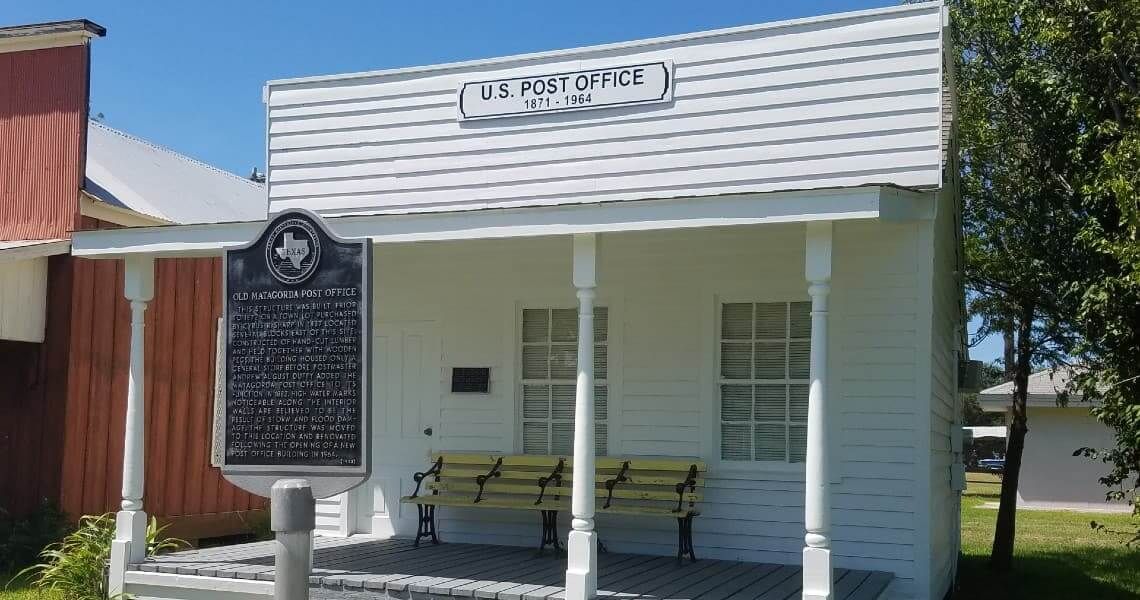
x=549, y=372
x=763, y=381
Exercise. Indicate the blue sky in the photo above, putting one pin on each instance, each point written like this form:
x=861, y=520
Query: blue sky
x=189, y=75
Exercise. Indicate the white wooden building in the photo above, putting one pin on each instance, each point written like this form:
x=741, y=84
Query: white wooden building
x=771, y=252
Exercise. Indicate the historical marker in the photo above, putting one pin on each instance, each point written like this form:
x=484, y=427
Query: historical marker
x=297, y=315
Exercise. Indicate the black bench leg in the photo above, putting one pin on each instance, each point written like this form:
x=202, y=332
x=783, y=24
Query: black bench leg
x=685, y=538
x=549, y=531
x=427, y=523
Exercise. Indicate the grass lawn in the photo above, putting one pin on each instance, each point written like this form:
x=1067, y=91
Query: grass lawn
x=1056, y=554
x=20, y=592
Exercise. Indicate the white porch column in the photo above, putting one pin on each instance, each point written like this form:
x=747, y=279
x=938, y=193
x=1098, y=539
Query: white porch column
x=818, y=583
x=129, y=545
x=582, y=545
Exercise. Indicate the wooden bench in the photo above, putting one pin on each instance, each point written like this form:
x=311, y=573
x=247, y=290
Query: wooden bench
x=637, y=486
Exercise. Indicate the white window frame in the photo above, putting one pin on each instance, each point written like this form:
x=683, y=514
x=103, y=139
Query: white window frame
x=520, y=382
x=750, y=466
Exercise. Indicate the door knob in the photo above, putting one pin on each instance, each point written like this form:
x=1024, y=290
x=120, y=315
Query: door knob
x=427, y=431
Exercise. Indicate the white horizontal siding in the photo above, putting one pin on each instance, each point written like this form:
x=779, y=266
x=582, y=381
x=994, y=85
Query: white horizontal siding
x=660, y=289
x=841, y=102
x=23, y=299
x=944, y=501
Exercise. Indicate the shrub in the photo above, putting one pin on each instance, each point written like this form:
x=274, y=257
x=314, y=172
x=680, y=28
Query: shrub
x=74, y=566
x=22, y=539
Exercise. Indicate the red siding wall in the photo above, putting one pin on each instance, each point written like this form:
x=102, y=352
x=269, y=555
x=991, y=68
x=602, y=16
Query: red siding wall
x=181, y=325
x=43, y=125
x=33, y=390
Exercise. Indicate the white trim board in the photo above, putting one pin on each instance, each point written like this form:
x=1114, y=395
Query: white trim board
x=28, y=249
x=868, y=202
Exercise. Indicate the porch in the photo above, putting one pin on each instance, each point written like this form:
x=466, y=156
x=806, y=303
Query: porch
x=370, y=568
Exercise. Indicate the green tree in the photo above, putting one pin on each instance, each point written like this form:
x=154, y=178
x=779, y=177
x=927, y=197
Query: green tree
x=1049, y=115
x=1021, y=216
x=1095, y=49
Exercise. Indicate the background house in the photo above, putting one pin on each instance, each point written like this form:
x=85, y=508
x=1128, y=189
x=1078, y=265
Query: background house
x=1051, y=477
x=63, y=321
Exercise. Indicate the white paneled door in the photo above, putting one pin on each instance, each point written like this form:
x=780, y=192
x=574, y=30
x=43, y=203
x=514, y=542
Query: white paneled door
x=405, y=421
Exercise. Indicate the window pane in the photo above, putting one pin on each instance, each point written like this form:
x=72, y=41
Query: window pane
x=771, y=402
x=801, y=319
x=771, y=320
x=736, y=321
x=562, y=402
x=797, y=445
x=535, y=324
x=536, y=401
x=564, y=325
x=601, y=323
x=798, y=402
x=601, y=402
x=799, y=361
x=563, y=361
x=770, y=442
x=534, y=437
x=601, y=362
x=770, y=360
x=735, y=403
x=735, y=441
x=735, y=361
x=534, y=362
x=562, y=438
x=601, y=445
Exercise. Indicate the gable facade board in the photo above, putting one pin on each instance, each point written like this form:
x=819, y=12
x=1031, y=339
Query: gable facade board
x=840, y=101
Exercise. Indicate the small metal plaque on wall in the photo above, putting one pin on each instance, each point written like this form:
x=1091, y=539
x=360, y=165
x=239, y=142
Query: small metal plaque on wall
x=473, y=380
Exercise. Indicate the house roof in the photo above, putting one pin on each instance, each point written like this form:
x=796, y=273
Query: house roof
x=1044, y=386
x=983, y=431
x=53, y=27
x=134, y=174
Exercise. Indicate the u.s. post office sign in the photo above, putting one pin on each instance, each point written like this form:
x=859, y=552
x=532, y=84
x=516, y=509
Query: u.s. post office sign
x=623, y=85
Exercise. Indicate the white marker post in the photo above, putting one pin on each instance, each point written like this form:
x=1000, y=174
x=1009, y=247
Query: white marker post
x=292, y=518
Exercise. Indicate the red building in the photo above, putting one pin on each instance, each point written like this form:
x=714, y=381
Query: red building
x=64, y=324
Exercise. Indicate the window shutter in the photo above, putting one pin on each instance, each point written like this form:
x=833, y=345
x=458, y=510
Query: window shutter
x=564, y=325
x=549, y=374
x=800, y=320
x=534, y=437
x=799, y=359
x=535, y=362
x=563, y=361
x=797, y=443
x=562, y=402
x=601, y=324
x=771, y=402
x=771, y=442
x=771, y=358
x=736, y=403
x=536, y=325
x=736, y=321
x=536, y=401
x=561, y=438
x=735, y=441
x=765, y=353
x=771, y=320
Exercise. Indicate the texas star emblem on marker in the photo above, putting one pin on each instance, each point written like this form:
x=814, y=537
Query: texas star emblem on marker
x=294, y=250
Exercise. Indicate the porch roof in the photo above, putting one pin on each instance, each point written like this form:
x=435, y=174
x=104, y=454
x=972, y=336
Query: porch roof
x=863, y=202
x=375, y=568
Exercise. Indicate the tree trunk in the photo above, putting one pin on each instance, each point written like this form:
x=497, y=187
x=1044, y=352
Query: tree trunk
x=1001, y=557
x=1008, y=353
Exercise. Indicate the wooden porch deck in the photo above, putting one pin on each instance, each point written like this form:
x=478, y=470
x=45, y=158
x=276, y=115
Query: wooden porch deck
x=371, y=569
